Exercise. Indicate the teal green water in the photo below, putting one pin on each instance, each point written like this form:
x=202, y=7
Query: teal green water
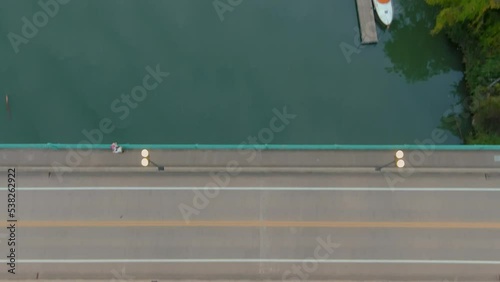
x=225, y=76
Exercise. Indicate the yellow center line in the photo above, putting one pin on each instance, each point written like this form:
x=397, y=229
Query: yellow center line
x=305, y=224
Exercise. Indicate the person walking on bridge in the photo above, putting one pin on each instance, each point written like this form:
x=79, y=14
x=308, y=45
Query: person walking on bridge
x=116, y=148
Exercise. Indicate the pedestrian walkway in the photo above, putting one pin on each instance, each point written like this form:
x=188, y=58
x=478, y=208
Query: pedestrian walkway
x=248, y=158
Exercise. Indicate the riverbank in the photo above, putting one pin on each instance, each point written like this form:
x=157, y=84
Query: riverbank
x=475, y=27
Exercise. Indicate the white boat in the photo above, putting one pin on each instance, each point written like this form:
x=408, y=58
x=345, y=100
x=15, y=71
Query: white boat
x=384, y=11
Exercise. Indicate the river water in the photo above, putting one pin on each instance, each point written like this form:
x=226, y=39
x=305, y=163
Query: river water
x=229, y=73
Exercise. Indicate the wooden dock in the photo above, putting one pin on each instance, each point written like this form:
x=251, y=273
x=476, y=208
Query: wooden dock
x=367, y=25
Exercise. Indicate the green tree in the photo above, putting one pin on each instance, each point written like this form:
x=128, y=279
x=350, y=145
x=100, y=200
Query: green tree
x=475, y=26
x=459, y=11
x=487, y=117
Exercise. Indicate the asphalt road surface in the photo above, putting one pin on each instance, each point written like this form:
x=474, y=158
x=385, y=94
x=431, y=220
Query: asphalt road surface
x=257, y=226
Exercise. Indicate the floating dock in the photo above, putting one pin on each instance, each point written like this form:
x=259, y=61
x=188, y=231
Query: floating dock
x=367, y=22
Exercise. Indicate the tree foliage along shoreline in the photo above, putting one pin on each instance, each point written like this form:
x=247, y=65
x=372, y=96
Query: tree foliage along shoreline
x=474, y=25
